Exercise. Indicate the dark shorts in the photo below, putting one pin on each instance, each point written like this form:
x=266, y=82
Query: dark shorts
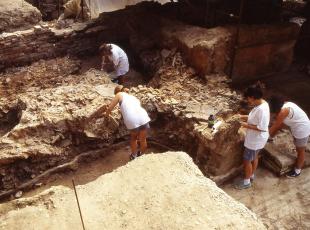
x=249, y=154
x=142, y=127
x=115, y=80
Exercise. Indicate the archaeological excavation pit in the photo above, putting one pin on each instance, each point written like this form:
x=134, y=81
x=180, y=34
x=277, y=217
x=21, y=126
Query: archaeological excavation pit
x=187, y=62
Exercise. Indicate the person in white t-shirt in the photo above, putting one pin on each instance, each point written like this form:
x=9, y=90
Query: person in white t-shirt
x=291, y=115
x=135, y=118
x=114, y=61
x=256, y=133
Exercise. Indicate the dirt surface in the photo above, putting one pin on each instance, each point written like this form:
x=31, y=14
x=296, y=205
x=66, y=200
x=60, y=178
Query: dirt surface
x=17, y=14
x=165, y=191
x=281, y=203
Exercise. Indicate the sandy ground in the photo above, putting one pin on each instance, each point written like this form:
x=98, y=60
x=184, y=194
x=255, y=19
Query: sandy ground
x=281, y=203
x=90, y=171
x=156, y=191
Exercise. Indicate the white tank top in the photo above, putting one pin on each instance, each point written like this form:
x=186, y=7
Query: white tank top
x=133, y=114
x=297, y=120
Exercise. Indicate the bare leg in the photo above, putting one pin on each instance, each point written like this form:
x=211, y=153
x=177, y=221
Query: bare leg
x=300, y=157
x=133, y=141
x=247, y=169
x=142, y=140
x=254, y=165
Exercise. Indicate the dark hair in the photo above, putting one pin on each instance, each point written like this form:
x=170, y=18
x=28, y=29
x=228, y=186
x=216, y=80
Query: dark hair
x=276, y=103
x=254, y=91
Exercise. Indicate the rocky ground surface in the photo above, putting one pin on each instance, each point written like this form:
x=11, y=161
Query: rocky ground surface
x=17, y=14
x=134, y=197
x=44, y=107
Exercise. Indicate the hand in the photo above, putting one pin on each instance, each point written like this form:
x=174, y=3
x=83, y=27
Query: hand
x=244, y=124
x=270, y=139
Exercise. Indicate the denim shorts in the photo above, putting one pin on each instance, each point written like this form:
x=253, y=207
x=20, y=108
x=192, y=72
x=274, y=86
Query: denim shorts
x=301, y=142
x=249, y=154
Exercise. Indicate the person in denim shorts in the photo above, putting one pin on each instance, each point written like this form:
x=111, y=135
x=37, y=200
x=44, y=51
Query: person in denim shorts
x=256, y=133
x=296, y=119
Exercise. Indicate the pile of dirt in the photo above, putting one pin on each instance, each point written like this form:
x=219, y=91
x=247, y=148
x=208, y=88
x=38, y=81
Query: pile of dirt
x=165, y=191
x=17, y=15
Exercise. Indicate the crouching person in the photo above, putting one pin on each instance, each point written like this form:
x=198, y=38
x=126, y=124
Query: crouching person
x=114, y=62
x=135, y=118
x=256, y=133
x=290, y=114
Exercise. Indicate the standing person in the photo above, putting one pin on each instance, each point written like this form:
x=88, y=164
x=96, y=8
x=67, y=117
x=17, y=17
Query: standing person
x=296, y=119
x=256, y=134
x=135, y=118
x=114, y=61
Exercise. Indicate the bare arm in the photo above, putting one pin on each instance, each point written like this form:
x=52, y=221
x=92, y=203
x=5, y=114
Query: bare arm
x=248, y=126
x=114, y=102
x=278, y=124
x=243, y=117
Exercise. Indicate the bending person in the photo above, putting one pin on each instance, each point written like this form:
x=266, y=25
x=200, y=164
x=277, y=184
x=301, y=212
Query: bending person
x=114, y=61
x=135, y=118
x=296, y=119
x=256, y=133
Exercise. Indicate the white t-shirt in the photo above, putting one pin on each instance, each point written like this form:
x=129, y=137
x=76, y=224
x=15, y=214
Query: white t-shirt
x=133, y=114
x=260, y=117
x=297, y=120
x=120, y=60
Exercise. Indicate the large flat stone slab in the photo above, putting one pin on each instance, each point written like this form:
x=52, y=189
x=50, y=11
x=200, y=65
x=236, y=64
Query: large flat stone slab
x=280, y=155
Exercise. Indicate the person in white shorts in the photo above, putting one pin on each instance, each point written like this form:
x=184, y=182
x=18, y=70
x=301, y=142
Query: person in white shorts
x=135, y=118
x=291, y=115
x=114, y=62
x=256, y=133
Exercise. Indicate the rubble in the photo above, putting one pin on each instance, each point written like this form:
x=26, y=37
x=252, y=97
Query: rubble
x=17, y=15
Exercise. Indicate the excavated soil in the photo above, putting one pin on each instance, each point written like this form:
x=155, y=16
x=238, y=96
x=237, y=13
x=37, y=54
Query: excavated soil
x=165, y=191
x=45, y=143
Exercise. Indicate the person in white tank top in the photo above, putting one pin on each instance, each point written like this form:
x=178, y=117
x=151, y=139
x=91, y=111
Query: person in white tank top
x=135, y=118
x=291, y=115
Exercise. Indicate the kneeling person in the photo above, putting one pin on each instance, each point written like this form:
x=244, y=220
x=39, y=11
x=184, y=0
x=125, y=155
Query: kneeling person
x=115, y=62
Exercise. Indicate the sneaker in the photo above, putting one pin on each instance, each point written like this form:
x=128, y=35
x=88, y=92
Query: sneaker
x=139, y=154
x=240, y=185
x=133, y=156
x=292, y=174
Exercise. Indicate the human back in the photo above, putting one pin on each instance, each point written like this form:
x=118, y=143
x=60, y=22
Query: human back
x=297, y=120
x=133, y=113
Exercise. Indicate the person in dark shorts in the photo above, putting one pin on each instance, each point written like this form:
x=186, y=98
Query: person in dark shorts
x=135, y=118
